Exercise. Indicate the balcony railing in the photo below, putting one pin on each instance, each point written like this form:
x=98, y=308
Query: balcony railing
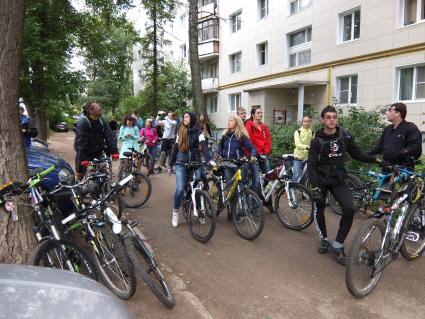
x=208, y=49
x=210, y=84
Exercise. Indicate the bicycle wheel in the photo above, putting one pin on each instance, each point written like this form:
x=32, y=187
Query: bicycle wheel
x=202, y=226
x=151, y=275
x=56, y=254
x=125, y=168
x=148, y=163
x=297, y=211
x=361, y=271
x=414, y=242
x=354, y=183
x=137, y=191
x=248, y=215
x=113, y=263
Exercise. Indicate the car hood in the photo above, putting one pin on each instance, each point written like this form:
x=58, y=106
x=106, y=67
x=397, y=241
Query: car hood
x=37, y=292
x=44, y=160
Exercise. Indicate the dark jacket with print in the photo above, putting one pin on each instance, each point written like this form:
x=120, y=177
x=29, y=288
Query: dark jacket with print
x=232, y=147
x=326, y=157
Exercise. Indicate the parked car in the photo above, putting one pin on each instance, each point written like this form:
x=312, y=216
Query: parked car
x=61, y=127
x=37, y=292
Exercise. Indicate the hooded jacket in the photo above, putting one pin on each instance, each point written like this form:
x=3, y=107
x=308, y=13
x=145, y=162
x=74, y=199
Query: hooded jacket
x=260, y=138
x=232, y=147
x=326, y=158
x=197, y=145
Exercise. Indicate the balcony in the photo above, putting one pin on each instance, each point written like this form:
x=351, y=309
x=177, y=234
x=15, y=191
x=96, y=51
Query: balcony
x=207, y=10
x=209, y=85
x=208, y=50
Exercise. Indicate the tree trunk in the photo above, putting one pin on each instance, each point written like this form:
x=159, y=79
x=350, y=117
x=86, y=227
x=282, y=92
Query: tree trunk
x=195, y=69
x=16, y=238
x=155, y=58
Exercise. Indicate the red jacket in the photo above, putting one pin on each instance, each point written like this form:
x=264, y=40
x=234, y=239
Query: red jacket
x=260, y=138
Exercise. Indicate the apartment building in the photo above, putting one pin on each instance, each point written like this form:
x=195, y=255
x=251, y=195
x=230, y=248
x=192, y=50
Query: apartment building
x=286, y=55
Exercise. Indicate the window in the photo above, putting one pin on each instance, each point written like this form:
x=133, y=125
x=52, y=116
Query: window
x=235, y=20
x=235, y=62
x=209, y=71
x=300, y=47
x=411, y=83
x=262, y=53
x=296, y=6
x=234, y=102
x=347, y=89
x=349, y=26
x=183, y=20
x=212, y=104
x=183, y=50
x=263, y=8
x=413, y=11
x=202, y=3
x=208, y=30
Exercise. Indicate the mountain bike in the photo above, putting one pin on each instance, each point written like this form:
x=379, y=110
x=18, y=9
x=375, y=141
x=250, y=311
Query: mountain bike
x=378, y=242
x=146, y=265
x=100, y=227
x=244, y=204
x=145, y=158
x=52, y=249
x=198, y=207
x=137, y=192
x=293, y=203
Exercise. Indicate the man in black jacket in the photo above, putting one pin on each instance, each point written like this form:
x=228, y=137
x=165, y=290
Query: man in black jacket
x=401, y=141
x=326, y=169
x=93, y=136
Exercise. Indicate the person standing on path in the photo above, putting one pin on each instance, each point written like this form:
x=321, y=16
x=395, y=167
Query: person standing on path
x=169, y=123
x=302, y=139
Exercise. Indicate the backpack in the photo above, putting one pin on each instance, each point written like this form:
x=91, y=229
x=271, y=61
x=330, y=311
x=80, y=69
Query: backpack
x=32, y=130
x=148, y=143
x=77, y=130
x=343, y=135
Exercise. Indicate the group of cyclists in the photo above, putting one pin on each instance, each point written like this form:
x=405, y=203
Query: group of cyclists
x=324, y=153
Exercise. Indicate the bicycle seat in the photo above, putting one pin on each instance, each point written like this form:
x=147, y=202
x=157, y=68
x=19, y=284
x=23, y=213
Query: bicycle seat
x=127, y=154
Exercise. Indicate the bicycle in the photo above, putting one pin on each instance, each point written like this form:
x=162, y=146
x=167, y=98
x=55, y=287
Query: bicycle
x=52, y=250
x=145, y=157
x=198, y=207
x=146, y=264
x=293, y=202
x=101, y=228
x=378, y=242
x=137, y=192
x=244, y=204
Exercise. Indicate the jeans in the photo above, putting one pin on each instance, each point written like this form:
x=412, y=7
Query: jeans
x=152, y=151
x=296, y=170
x=181, y=172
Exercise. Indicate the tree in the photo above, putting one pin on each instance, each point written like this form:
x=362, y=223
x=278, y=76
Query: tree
x=195, y=69
x=16, y=238
x=159, y=13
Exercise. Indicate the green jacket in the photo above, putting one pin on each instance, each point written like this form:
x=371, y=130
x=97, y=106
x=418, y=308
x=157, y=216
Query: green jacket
x=302, y=138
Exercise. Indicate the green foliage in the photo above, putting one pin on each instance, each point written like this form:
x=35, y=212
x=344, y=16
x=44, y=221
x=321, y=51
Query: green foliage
x=283, y=138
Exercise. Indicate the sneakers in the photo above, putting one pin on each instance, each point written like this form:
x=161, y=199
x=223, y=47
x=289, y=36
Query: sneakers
x=159, y=169
x=339, y=254
x=323, y=246
x=175, y=220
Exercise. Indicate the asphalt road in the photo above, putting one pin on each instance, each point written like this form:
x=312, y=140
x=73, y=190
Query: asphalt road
x=279, y=275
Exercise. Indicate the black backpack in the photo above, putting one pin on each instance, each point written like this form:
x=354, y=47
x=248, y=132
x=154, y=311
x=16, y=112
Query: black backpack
x=343, y=135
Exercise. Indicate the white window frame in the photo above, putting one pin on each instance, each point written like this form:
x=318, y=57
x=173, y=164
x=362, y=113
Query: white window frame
x=233, y=18
x=234, y=101
x=300, y=48
x=212, y=108
x=266, y=53
x=260, y=9
x=183, y=50
x=402, y=17
x=233, y=60
x=414, y=83
x=299, y=6
x=341, y=30
x=350, y=89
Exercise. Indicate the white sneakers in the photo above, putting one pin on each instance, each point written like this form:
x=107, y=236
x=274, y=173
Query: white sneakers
x=175, y=220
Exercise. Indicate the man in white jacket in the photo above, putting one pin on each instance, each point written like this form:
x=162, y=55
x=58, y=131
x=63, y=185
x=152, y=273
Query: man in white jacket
x=169, y=123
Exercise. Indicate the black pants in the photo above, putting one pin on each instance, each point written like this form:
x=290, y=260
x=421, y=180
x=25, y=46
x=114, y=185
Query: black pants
x=344, y=197
x=166, y=148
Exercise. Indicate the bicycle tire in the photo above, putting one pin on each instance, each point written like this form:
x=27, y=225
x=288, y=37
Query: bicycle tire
x=248, y=217
x=299, y=214
x=360, y=254
x=206, y=219
x=413, y=223
x=352, y=182
x=76, y=255
x=138, y=189
x=151, y=276
x=108, y=245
